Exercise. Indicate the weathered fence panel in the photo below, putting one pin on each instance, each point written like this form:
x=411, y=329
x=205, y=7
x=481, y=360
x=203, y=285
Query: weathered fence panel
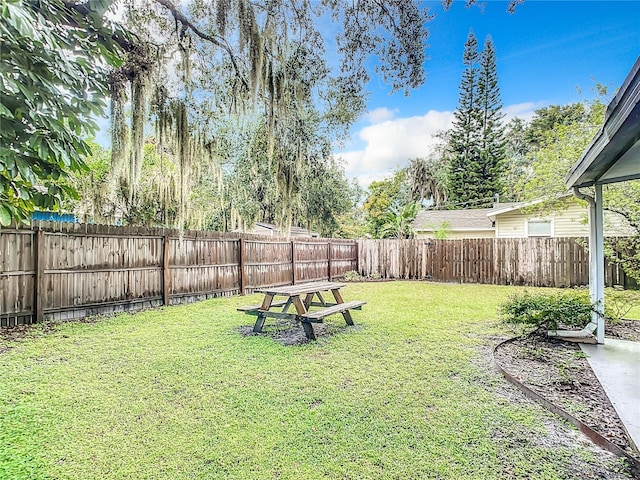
x=267, y=263
x=202, y=267
x=543, y=262
x=344, y=258
x=17, y=275
x=63, y=271
x=312, y=261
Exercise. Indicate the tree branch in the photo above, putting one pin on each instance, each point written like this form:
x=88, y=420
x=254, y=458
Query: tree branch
x=626, y=215
x=218, y=41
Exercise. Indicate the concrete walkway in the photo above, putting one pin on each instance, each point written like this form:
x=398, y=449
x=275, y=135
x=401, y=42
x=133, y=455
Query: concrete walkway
x=617, y=366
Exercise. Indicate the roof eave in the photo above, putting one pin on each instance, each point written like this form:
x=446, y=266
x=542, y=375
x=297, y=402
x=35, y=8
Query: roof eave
x=621, y=130
x=458, y=229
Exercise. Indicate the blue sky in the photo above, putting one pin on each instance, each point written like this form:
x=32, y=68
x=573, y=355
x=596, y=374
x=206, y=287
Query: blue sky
x=548, y=52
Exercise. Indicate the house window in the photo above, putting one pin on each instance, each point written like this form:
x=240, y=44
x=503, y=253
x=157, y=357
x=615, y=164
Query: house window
x=537, y=227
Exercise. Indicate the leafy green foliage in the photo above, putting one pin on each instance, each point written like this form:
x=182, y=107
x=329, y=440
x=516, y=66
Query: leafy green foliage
x=385, y=196
x=624, y=200
x=619, y=303
x=546, y=120
x=442, y=231
x=559, y=148
x=547, y=311
x=53, y=82
x=394, y=31
x=555, y=138
x=399, y=224
x=267, y=74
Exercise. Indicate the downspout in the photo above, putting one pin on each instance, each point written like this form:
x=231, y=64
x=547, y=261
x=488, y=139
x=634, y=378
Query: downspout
x=583, y=196
x=592, y=326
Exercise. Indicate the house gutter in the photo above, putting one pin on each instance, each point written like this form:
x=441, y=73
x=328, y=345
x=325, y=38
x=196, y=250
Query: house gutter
x=596, y=271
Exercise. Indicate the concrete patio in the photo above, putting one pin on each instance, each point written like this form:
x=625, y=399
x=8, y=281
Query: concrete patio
x=616, y=363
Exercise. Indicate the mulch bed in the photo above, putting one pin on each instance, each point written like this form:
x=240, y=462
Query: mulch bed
x=558, y=371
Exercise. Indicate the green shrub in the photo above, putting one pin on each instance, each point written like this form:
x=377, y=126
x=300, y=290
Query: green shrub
x=619, y=302
x=548, y=311
x=353, y=276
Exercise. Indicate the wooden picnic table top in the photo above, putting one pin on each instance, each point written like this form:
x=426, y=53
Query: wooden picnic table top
x=301, y=289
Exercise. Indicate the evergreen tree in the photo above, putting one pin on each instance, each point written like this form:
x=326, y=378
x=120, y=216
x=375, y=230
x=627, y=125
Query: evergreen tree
x=464, y=140
x=476, y=144
x=493, y=145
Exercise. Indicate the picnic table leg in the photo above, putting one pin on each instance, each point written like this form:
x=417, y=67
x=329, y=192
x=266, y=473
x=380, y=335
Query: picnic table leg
x=308, y=331
x=346, y=314
x=307, y=301
x=321, y=299
x=301, y=308
x=286, y=305
x=266, y=305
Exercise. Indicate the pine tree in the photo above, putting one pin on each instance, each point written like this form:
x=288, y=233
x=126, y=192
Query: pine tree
x=464, y=140
x=476, y=145
x=493, y=145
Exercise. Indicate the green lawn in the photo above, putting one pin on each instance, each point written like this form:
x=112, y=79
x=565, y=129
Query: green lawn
x=178, y=393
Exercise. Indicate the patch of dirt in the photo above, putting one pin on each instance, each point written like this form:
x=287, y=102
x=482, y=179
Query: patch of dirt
x=558, y=371
x=291, y=333
x=17, y=333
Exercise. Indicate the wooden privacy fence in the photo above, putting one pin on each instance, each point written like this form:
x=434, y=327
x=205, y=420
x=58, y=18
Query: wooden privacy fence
x=543, y=262
x=63, y=271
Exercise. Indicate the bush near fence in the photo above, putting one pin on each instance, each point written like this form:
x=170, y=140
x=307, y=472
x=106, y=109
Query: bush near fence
x=62, y=271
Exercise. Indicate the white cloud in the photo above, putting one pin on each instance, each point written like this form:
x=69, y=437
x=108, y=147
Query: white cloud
x=392, y=143
x=380, y=115
x=525, y=110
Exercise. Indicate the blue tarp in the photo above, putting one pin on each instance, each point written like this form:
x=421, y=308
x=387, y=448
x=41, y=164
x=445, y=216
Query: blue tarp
x=54, y=217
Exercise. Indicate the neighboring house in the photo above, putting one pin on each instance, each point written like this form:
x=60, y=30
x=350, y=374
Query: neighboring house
x=262, y=228
x=514, y=220
x=455, y=224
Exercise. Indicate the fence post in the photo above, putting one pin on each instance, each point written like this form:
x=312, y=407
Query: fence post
x=329, y=258
x=38, y=283
x=293, y=262
x=165, y=269
x=243, y=280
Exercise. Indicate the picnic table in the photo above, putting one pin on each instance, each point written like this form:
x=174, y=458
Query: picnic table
x=302, y=297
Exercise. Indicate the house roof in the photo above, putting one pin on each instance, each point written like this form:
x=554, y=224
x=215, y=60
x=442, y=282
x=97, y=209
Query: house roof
x=501, y=208
x=471, y=219
x=295, y=231
x=614, y=153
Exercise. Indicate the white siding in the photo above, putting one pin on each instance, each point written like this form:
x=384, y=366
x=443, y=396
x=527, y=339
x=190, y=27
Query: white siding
x=510, y=225
x=458, y=234
x=571, y=222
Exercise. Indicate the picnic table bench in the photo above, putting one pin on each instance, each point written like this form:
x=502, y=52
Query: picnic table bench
x=302, y=298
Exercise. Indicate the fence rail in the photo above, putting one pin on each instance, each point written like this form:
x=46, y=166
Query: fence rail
x=63, y=271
